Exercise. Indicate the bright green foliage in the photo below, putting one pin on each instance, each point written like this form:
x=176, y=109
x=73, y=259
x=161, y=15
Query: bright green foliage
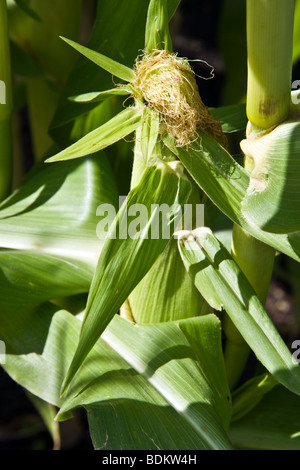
x=124, y=313
x=133, y=248
x=224, y=286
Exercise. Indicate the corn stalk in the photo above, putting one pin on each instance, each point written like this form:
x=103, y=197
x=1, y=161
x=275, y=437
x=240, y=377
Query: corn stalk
x=269, y=45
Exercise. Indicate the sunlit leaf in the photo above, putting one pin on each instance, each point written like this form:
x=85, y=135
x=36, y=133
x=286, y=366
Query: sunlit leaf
x=24, y=275
x=124, y=410
x=226, y=182
x=116, y=129
x=94, y=97
x=55, y=209
x=224, y=286
x=110, y=65
x=183, y=361
x=131, y=248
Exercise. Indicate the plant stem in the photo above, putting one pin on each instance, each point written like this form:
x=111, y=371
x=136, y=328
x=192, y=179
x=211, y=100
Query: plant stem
x=6, y=107
x=269, y=43
x=270, y=50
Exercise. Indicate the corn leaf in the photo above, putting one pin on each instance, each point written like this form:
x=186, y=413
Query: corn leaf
x=183, y=361
x=233, y=118
x=24, y=274
x=97, y=96
x=272, y=425
x=110, y=65
x=224, y=286
x=116, y=129
x=226, y=182
x=167, y=291
x=130, y=250
x=125, y=412
x=55, y=209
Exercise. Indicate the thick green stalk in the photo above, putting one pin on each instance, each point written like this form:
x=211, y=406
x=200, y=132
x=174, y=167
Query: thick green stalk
x=270, y=51
x=6, y=107
x=270, y=42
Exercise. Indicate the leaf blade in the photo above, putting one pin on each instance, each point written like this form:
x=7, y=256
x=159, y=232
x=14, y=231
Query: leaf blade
x=115, y=129
x=226, y=182
x=110, y=65
x=55, y=209
x=163, y=353
x=97, y=96
x=223, y=284
x=134, y=253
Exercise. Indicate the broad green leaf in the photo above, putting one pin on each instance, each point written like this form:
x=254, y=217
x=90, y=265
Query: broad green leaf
x=125, y=412
x=183, y=361
x=142, y=425
x=55, y=209
x=224, y=286
x=226, y=182
x=116, y=129
x=167, y=291
x=110, y=65
x=131, y=248
x=233, y=118
x=24, y=275
x=272, y=425
x=97, y=96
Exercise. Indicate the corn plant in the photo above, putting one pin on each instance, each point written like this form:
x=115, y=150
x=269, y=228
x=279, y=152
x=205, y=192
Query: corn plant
x=136, y=309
